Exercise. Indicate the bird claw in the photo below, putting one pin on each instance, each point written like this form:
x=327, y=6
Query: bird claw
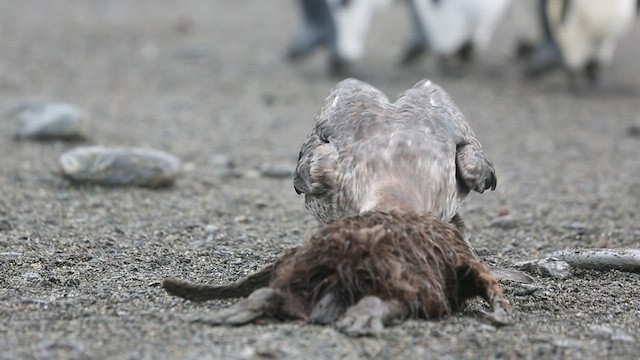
x=237, y=314
x=261, y=301
x=360, y=324
x=501, y=314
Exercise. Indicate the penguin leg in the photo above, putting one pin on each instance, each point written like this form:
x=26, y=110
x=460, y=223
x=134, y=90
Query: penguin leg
x=490, y=290
x=265, y=301
x=419, y=44
x=369, y=316
x=498, y=272
x=317, y=29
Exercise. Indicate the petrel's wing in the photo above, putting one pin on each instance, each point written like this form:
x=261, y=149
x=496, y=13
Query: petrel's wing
x=336, y=124
x=474, y=169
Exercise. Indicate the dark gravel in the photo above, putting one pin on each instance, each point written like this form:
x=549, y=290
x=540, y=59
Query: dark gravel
x=81, y=265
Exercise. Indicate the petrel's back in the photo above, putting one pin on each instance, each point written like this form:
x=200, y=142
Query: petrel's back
x=364, y=153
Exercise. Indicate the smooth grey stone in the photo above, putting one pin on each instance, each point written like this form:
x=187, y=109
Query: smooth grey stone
x=120, y=166
x=548, y=267
x=50, y=122
x=282, y=170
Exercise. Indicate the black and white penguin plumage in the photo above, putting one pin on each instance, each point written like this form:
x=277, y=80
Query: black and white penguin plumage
x=584, y=32
x=449, y=27
x=340, y=25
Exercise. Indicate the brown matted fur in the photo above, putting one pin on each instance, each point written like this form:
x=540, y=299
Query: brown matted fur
x=400, y=264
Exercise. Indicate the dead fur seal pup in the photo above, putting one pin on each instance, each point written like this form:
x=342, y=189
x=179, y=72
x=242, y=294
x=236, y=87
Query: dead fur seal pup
x=363, y=272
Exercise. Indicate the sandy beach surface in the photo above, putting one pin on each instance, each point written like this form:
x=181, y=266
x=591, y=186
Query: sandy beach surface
x=81, y=266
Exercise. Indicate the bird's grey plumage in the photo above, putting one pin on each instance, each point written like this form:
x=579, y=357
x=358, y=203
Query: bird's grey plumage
x=365, y=153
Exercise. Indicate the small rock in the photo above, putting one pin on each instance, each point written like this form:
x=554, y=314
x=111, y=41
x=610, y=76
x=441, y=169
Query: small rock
x=622, y=337
x=223, y=161
x=31, y=275
x=120, y=166
x=578, y=227
x=226, y=174
x=283, y=170
x=242, y=219
x=5, y=225
x=50, y=122
x=525, y=290
x=633, y=130
x=11, y=254
x=194, y=52
x=210, y=231
x=504, y=211
x=601, y=331
x=549, y=267
x=568, y=343
x=504, y=222
x=486, y=327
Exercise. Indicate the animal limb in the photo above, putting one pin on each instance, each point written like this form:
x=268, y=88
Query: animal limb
x=369, y=316
x=260, y=302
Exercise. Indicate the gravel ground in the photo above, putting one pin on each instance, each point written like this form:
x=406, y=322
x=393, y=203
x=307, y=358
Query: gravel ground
x=81, y=266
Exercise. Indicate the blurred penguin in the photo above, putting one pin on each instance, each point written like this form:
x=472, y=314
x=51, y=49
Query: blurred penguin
x=451, y=28
x=529, y=27
x=340, y=25
x=581, y=35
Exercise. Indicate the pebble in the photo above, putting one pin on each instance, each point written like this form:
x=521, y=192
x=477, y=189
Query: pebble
x=633, y=130
x=601, y=330
x=53, y=121
x=31, y=275
x=11, y=253
x=548, y=267
x=623, y=337
x=223, y=161
x=504, y=222
x=120, y=166
x=283, y=170
x=578, y=227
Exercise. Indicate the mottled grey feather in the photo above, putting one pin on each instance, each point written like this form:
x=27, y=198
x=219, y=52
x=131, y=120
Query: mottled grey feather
x=364, y=153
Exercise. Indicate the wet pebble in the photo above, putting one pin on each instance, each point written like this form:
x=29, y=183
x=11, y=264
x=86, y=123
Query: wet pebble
x=549, y=267
x=120, y=166
x=282, y=170
x=53, y=121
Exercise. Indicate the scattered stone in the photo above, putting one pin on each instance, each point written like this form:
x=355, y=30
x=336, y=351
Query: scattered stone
x=210, y=231
x=194, y=52
x=242, y=219
x=226, y=174
x=601, y=259
x=486, y=327
x=622, y=337
x=504, y=222
x=5, y=224
x=633, y=130
x=269, y=346
x=578, y=227
x=11, y=254
x=120, y=166
x=31, y=275
x=53, y=121
x=525, y=289
x=223, y=161
x=549, y=267
x=504, y=211
x=283, y=170
x=601, y=331
x=568, y=343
